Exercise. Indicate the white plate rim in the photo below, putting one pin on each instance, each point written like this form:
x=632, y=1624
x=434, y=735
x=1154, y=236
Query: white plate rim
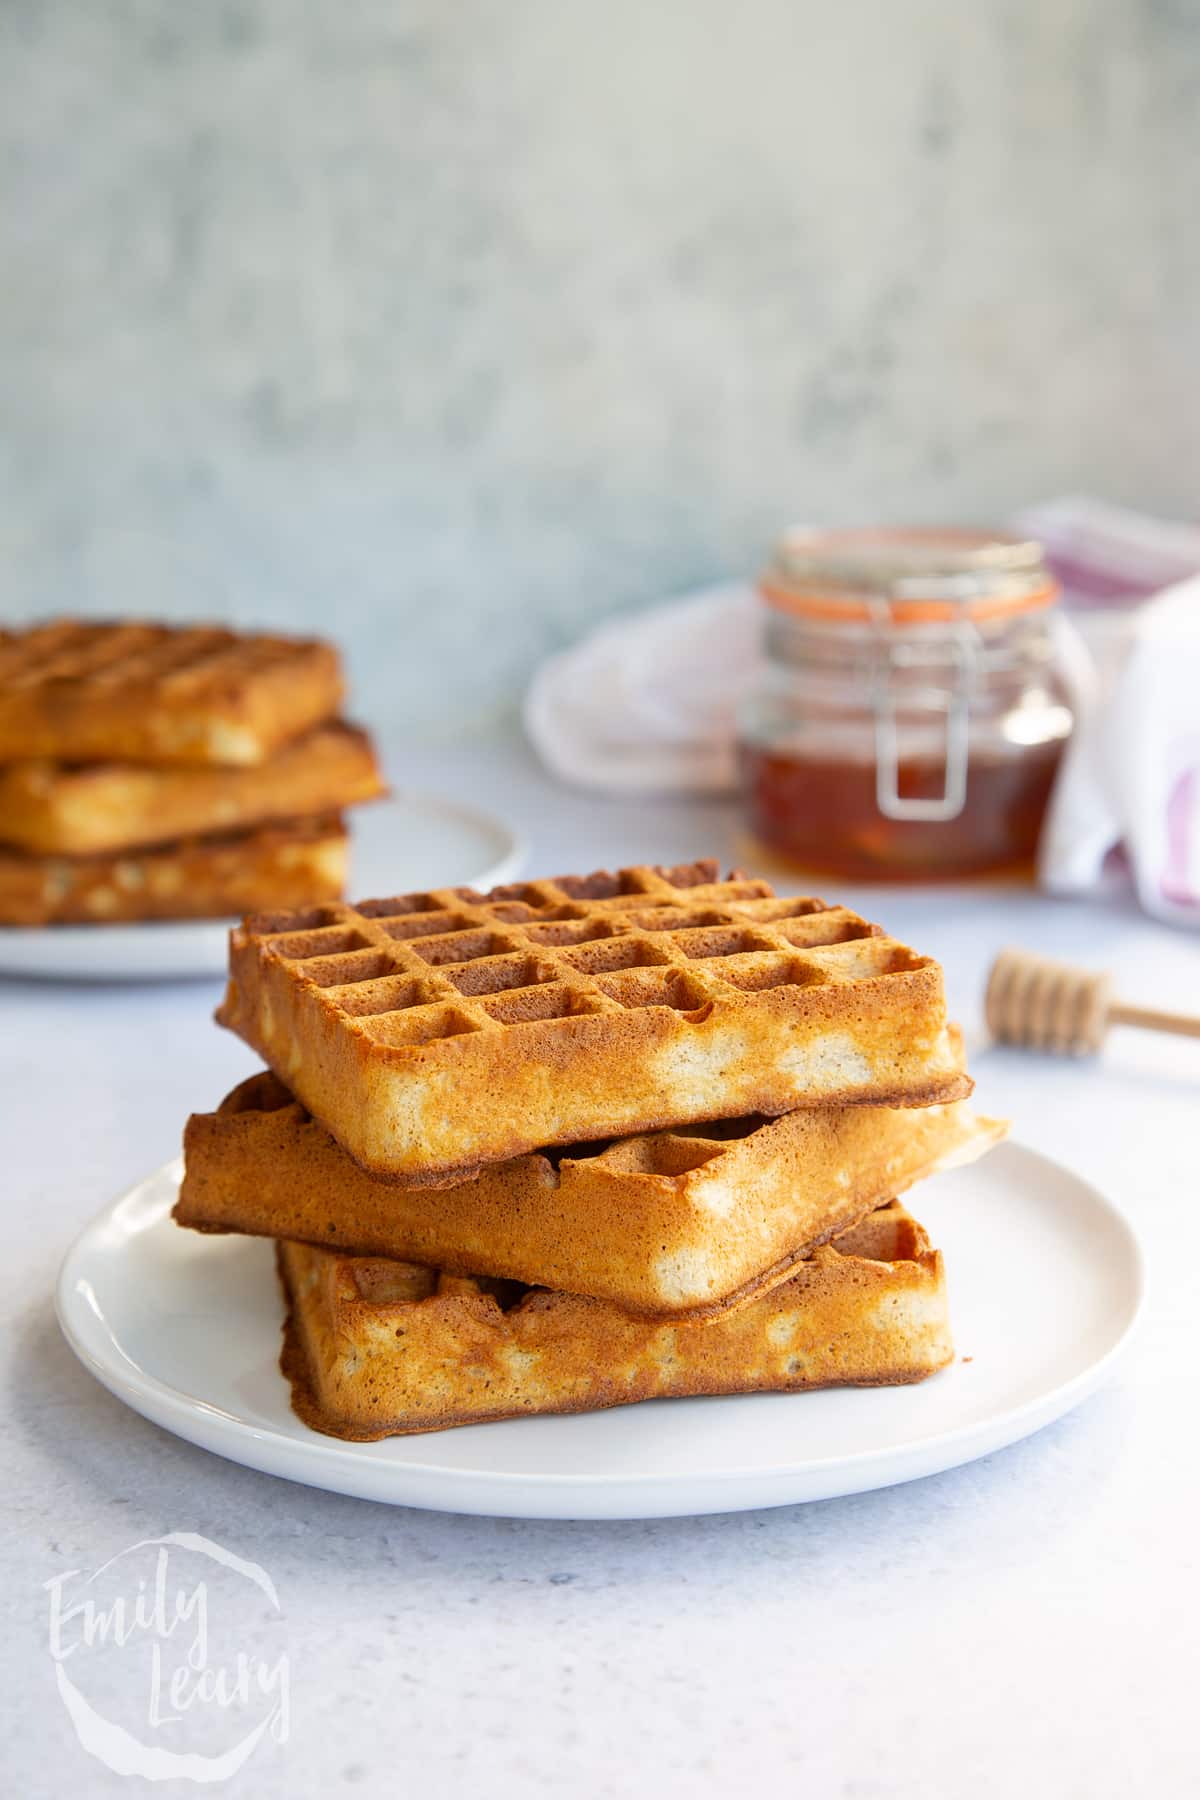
x=182, y=949
x=329, y=1464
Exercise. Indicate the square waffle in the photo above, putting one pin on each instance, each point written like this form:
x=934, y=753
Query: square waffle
x=201, y=878
x=90, y=809
x=375, y=1349
x=433, y=1033
x=682, y=1223
x=135, y=692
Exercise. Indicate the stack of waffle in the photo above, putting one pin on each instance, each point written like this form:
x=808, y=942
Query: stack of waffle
x=585, y=1141
x=158, y=772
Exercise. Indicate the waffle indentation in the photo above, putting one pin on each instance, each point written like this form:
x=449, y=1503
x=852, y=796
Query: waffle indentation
x=332, y=940
x=524, y=1006
x=776, y=908
x=388, y=994
x=424, y=924
x=655, y=987
x=825, y=928
x=343, y=971
x=560, y=933
x=701, y=945
x=605, y=955
x=463, y=946
x=419, y=1025
x=397, y=905
x=758, y=974
x=600, y=886
x=494, y=974
x=674, y=918
x=292, y=924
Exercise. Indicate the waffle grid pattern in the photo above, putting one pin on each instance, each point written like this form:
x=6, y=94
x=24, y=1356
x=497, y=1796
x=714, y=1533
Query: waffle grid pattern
x=415, y=968
x=176, y=661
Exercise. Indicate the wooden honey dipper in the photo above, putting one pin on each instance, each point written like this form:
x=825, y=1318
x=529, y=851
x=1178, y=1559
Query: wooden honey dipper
x=1048, y=1005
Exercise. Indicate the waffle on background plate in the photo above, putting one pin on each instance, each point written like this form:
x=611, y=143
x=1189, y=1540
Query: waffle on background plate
x=197, y=878
x=165, y=772
x=131, y=691
x=582, y=1141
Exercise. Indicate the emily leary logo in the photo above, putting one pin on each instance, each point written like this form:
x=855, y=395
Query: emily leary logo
x=159, y=1659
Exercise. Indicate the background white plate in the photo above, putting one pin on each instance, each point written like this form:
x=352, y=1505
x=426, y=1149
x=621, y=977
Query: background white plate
x=398, y=845
x=1045, y=1284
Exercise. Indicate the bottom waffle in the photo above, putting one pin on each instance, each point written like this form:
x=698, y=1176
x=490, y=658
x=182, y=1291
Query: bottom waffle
x=198, y=878
x=375, y=1348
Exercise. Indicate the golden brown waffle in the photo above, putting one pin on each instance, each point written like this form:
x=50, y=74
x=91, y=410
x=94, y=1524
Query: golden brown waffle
x=375, y=1349
x=203, y=878
x=434, y=1033
x=683, y=1223
x=72, y=809
x=134, y=692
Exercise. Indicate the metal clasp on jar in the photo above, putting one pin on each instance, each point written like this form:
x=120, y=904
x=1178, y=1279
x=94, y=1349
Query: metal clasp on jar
x=957, y=647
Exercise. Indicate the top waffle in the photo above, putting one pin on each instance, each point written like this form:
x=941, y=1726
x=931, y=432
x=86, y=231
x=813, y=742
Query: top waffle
x=157, y=693
x=433, y=1033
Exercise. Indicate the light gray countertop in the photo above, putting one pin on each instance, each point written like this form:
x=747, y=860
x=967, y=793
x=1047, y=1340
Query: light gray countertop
x=1022, y=1625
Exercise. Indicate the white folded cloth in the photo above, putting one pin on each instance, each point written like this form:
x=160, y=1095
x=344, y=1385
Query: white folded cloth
x=1131, y=778
x=648, y=704
x=1128, y=794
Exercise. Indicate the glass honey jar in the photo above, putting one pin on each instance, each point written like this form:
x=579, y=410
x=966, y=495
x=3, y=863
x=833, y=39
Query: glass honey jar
x=914, y=706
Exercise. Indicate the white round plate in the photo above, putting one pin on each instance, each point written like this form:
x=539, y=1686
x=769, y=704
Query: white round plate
x=1045, y=1284
x=397, y=846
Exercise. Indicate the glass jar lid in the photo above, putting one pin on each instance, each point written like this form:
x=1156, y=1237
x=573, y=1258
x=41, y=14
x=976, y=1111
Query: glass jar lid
x=906, y=576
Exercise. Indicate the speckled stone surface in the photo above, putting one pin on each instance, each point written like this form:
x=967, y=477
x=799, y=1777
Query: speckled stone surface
x=452, y=328
x=1024, y=1625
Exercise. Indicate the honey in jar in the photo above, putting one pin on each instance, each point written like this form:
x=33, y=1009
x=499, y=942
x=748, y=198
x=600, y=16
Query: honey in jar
x=914, y=708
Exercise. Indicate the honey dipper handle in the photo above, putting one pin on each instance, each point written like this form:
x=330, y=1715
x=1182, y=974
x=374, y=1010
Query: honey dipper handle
x=1182, y=1024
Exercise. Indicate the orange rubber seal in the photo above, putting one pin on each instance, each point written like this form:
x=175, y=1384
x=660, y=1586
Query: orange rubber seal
x=833, y=608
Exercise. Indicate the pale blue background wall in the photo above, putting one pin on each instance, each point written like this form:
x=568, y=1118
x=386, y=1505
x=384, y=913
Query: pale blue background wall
x=451, y=325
